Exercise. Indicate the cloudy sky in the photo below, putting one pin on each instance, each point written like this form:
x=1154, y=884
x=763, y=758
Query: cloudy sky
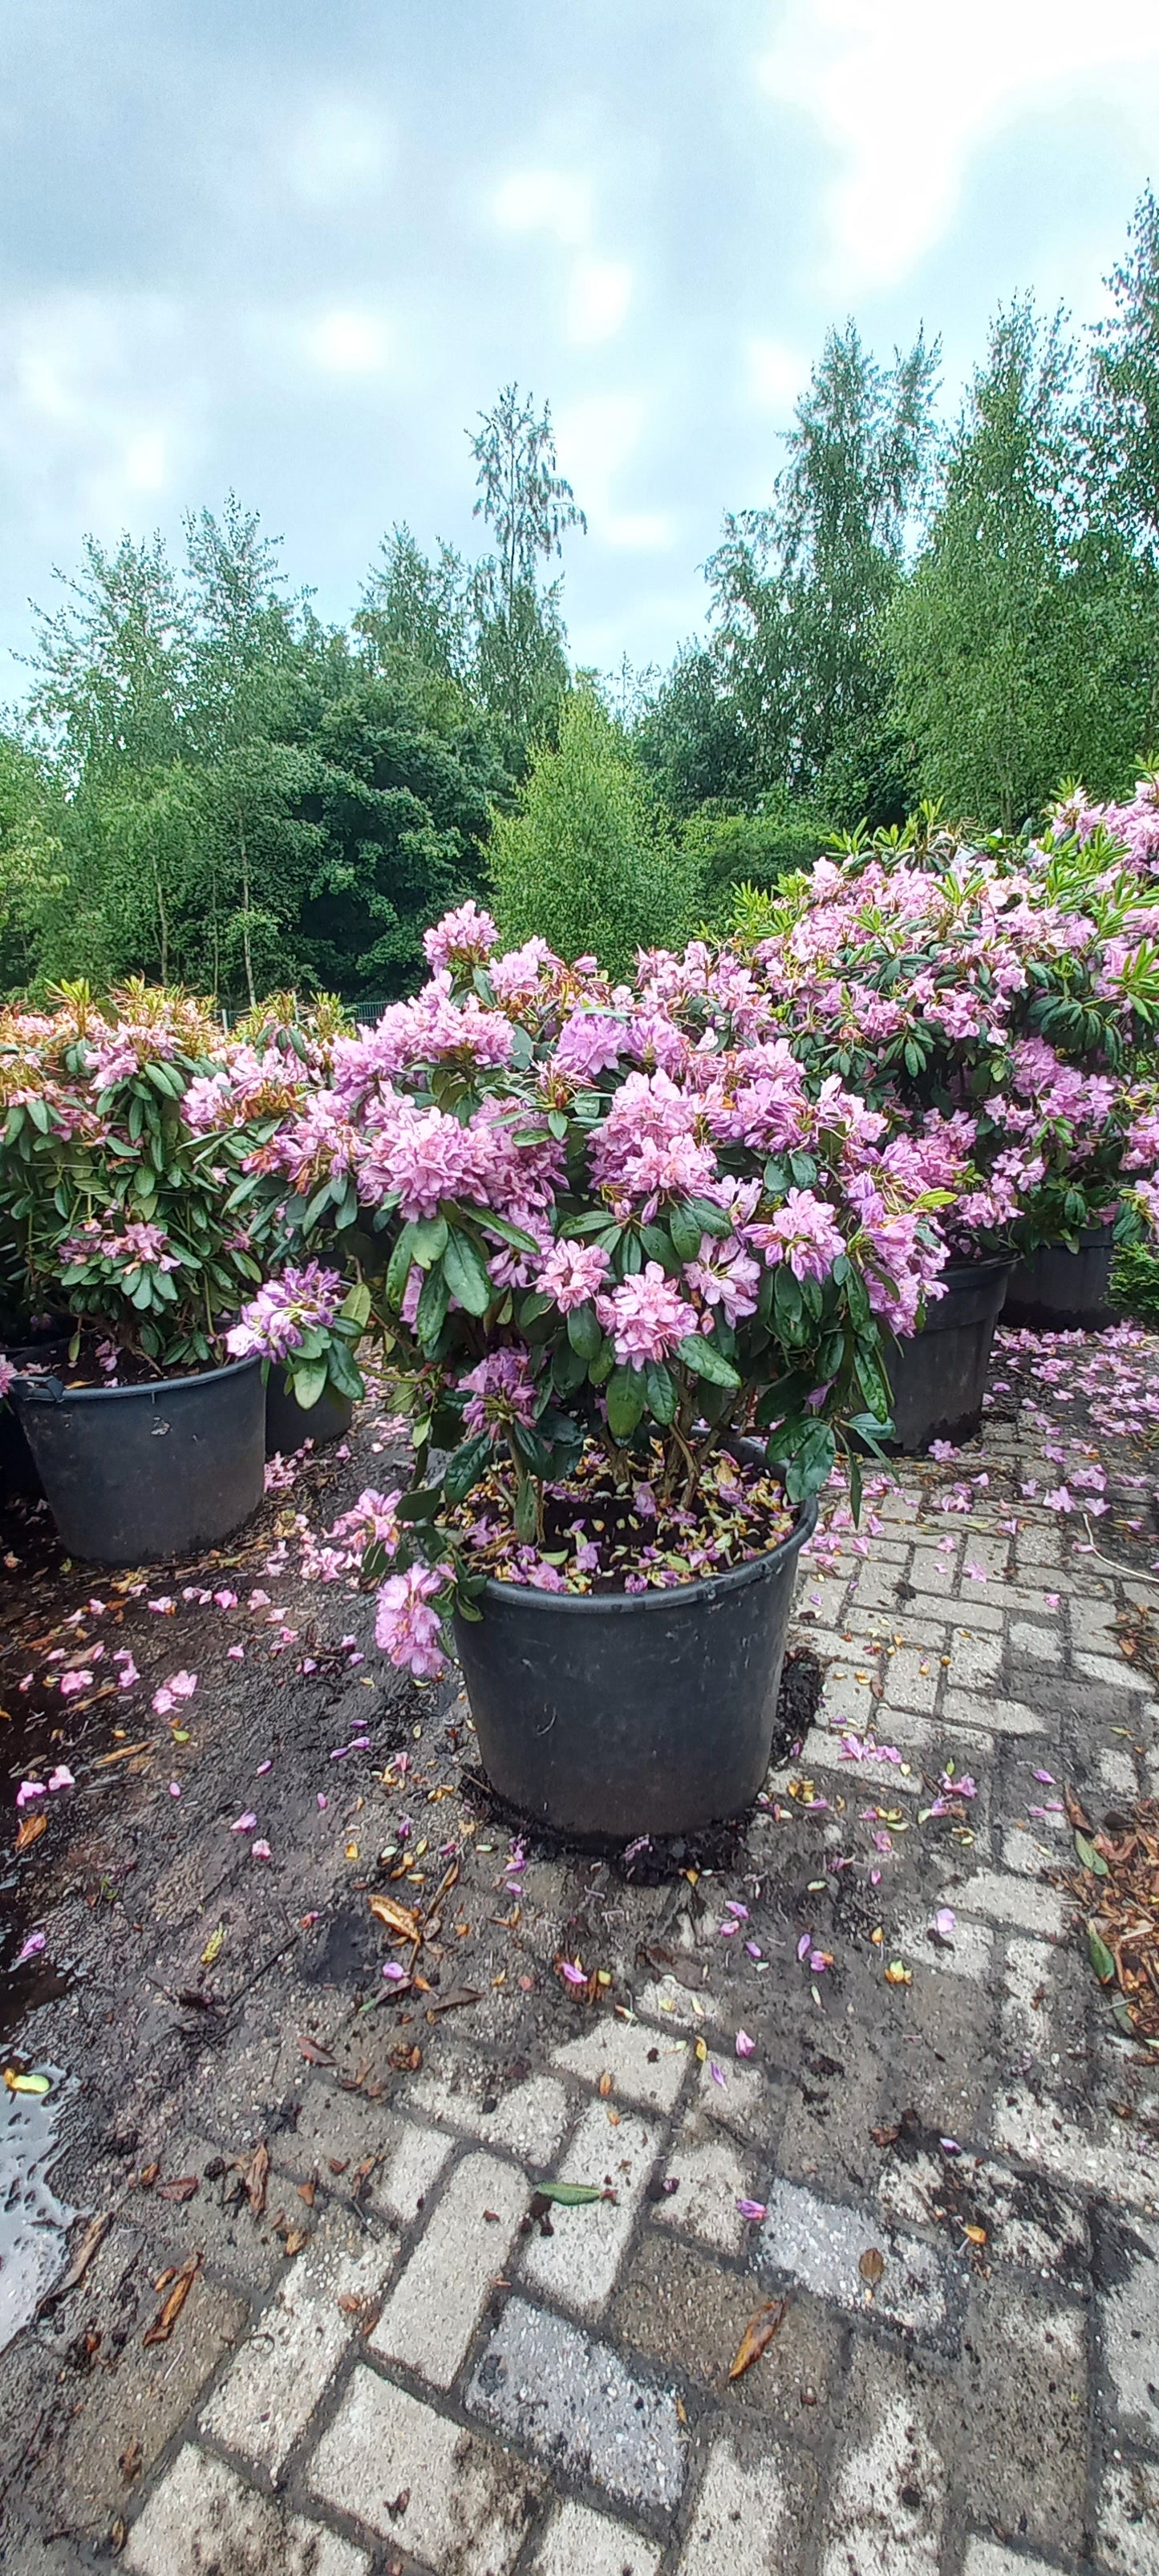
x=294, y=248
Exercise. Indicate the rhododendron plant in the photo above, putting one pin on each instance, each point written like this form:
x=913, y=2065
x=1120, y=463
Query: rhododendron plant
x=309, y=1322
x=616, y=1225
x=993, y=1003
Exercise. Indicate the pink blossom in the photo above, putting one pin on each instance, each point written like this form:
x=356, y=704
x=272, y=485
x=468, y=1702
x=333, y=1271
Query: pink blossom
x=501, y=1392
x=744, y=2045
x=571, y=1969
x=804, y=1233
x=244, y=1825
x=461, y=938
x=754, y=2209
x=646, y=1317
x=61, y=1778
x=572, y=1272
x=260, y=1851
x=406, y=1627
x=32, y=1948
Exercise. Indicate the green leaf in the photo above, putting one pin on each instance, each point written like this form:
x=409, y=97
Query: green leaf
x=309, y=1382
x=568, y=1368
x=583, y=1331
x=660, y=1386
x=803, y=1169
x=702, y=1357
x=685, y=1232
x=429, y=1240
x=398, y=1267
x=420, y=1504
x=509, y=1233
x=709, y=1218
x=466, y=1466
x=557, y=1122
x=569, y=2195
x=526, y=1511
x=872, y=1385
x=626, y=1400
x=1089, y=1857
x=600, y=1368
x=356, y=1304
x=1100, y=1957
x=432, y=1307
x=812, y=1463
x=466, y=1274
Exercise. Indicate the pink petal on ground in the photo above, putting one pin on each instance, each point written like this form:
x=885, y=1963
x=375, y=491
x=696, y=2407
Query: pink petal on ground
x=260, y=1851
x=29, y=1789
x=174, y=1788
x=717, y=2073
x=32, y=1948
x=805, y=1943
x=945, y=1920
x=754, y=2209
x=61, y=1778
x=245, y=1824
x=744, y=2045
x=1046, y=1777
x=571, y=1969
x=322, y=1801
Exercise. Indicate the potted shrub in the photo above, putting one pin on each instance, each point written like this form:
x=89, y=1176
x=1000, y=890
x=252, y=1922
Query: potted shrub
x=986, y=1000
x=305, y=1326
x=150, y=1441
x=635, y=1278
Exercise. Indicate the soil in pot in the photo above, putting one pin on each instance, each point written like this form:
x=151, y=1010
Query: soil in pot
x=290, y=1424
x=1058, y=1291
x=610, y=1714
x=938, y=1376
x=137, y=1474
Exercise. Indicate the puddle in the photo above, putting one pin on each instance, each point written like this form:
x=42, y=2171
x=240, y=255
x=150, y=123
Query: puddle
x=32, y=2219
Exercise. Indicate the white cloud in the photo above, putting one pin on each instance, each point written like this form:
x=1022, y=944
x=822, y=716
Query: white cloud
x=545, y=201
x=100, y=406
x=347, y=343
x=339, y=154
x=598, y=299
x=776, y=374
x=597, y=439
x=637, y=532
x=906, y=91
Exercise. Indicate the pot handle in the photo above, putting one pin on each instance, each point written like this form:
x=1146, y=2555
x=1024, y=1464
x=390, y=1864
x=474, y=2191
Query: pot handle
x=40, y=1390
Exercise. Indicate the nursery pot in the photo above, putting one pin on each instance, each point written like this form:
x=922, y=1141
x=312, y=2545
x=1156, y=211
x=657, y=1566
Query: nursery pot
x=1056, y=1291
x=615, y=1714
x=26, y=1349
x=938, y=1376
x=134, y=1473
x=289, y=1424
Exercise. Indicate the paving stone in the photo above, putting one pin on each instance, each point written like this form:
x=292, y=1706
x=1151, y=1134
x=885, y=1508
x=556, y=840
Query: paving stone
x=741, y=2103
x=912, y=1680
x=1129, y=2518
x=149, y=2391
x=414, y=2162
x=1042, y=1644
x=1130, y=2326
x=1028, y=2223
x=1023, y=2390
x=577, y=2264
x=642, y=2067
x=1027, y=1854
x=528, y=2118
x=1004, y=1898
x=1117, y=1773
x=1005, y=1716
x=986, y=2558
x=1101, y=2156
x=967, y=1951
x=578, y=2542
x=710, y=2179
x=750, y=2514
x=1112, y=1671
x=272, y=2386
x=202, y=2519
x=975, y=1662
x=467, y=2505
x=889, y=2482
x=1027, y=1979
x=686, y=2312
x=436, y=2303
x=574, y=2403
x=677, y=2006
x=821, y=2242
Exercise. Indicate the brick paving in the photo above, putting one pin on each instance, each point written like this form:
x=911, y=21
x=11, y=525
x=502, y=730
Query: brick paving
x=447, y=2380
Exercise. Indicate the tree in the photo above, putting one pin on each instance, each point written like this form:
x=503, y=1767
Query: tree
x=415, y=614
x=588, y=862
x=800, y=587
x=112, y=664
x=520, y=665
x=988, y=630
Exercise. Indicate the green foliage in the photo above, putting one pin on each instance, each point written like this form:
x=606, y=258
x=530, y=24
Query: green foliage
x=587, y=861
x=1135, y=1284
x=732, y=849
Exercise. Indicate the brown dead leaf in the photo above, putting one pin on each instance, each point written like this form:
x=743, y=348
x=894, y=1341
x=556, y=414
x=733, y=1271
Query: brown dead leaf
x=886, y=2137
x=130, y=2463
x=94, y=2235
x=450, y=2003
x=758, y=2335
x=400, y=2504
x=30, y=1831
x=182, y=2189
x=296, y=2237
x=313, y=2050
x=976, y=2235
x=123, y=1754
x=872, y=2265
x=148, y=2174
x=338, y=2164
x=307, y=2191
x=1076, y=1814
x=605, y=2085
x=397, y=1918
x=166, y=2318
x=255, y=2170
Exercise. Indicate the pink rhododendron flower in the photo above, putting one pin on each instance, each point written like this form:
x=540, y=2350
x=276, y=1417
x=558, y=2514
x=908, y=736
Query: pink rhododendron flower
x=406, y=1627
x=646, y=1317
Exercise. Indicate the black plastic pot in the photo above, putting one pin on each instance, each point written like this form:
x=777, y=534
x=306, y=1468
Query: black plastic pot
x=25, y=1349
x=137, y=1473
x=1056, y=1291
x=611, y=1715
x=938, y=1376
x=289, y=1424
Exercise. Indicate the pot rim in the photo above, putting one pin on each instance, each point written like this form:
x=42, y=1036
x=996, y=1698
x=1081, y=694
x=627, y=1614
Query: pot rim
x=990, y=1261
x=704, y=1587
x=49, y=1390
